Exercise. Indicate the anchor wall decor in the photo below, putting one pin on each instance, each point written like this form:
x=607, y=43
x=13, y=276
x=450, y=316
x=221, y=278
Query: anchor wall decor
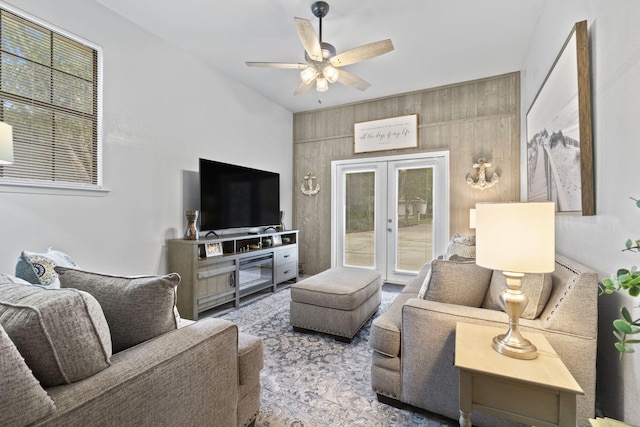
x=481, y=182
x=307, y=185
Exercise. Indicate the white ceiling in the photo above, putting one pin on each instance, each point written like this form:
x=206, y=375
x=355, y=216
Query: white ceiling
x=437, y=42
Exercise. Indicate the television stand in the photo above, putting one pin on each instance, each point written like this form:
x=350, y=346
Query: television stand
x=223, y=270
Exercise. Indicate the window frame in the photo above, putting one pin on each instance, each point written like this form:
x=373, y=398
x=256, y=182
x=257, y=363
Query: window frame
x=13, y=185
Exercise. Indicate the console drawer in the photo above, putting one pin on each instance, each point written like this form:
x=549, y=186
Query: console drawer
x=287, y=255
x=286, y=271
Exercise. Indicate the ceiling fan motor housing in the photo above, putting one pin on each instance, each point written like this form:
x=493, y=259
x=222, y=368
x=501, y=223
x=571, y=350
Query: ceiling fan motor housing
x=328, y=51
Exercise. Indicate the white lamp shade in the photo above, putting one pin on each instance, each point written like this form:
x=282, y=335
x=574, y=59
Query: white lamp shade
x=472, y=218
x=6, y=144
x=516, y=237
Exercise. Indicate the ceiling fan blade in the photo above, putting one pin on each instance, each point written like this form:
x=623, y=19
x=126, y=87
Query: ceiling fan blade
x=309, y=39
x=362, y=53
x=276, y=65
x=303, y=87
x=352, y=80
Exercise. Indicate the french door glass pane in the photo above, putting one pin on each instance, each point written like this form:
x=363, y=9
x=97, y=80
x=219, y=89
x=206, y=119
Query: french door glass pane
x=359, y=219
x=415, y=218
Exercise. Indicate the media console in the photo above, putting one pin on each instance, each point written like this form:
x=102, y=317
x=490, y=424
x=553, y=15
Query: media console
x=223, y=270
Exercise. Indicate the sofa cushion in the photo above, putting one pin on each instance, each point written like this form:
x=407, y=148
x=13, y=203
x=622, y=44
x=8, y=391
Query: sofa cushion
x=458, y=282
x=137, y=308
x=61, y=333
x=537, y=287
x=23, y=400
x=38, y=268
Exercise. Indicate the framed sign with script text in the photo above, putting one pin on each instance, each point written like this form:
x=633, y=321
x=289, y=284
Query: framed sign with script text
x=386, y=134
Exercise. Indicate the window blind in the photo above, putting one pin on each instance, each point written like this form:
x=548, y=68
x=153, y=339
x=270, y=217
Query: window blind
x=49, y=94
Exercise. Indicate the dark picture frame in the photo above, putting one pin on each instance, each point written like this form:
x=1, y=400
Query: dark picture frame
x=559, y=139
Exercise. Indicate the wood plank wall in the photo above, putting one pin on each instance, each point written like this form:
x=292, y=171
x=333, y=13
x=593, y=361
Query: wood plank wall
x=473, y=119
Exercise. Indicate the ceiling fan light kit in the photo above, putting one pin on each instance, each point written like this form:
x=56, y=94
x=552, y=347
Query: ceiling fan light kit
x=331, y=74
x=321, y=84
x=308, y=74
x=322, y=62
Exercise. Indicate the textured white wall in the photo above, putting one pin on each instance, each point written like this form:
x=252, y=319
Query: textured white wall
x=614, y=36
x=163, y=110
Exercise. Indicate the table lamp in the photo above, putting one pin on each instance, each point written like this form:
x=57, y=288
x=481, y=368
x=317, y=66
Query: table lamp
x=6, y=144
x=515, y=238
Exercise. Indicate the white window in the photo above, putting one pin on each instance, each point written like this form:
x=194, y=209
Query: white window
x=50, y=93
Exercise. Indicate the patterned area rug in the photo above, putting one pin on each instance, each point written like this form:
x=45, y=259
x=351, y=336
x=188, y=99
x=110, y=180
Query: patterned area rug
x=312, y=380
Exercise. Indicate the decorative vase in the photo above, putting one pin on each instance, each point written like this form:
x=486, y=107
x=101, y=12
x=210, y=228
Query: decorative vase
x=192, y=231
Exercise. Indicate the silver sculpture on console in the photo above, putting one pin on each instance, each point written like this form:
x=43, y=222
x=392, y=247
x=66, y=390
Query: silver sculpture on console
x=192, y=230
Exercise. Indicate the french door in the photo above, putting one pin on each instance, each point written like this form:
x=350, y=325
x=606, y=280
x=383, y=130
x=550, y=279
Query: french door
x=390, y=214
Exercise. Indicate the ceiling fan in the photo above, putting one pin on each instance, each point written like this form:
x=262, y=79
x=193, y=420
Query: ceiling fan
x=322, y=66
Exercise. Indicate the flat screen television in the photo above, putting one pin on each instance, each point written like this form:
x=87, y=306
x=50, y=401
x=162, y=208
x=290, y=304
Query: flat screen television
x=234, y=196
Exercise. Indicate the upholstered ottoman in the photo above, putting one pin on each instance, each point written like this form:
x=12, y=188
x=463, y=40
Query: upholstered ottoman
x=337, y=301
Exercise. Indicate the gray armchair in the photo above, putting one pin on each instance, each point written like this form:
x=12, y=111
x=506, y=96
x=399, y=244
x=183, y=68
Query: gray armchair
x=413, y=343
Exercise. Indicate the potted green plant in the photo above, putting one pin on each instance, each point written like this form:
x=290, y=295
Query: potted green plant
x=626, y=280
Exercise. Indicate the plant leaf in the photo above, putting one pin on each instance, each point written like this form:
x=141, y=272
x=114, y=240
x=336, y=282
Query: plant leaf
x=622, y=326
x=628, y=243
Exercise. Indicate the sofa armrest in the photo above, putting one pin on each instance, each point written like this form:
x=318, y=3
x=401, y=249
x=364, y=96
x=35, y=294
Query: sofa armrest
x=188, y=376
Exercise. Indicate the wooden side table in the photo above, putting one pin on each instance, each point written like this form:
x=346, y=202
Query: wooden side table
x=538, y=392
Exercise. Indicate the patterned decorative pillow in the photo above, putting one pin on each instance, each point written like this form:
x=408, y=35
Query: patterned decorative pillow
x=23, y=400
x=537, y=287
x=38, y=268
x=463, y=246
x=61, y=333
x=458, y=282
x=137, y=308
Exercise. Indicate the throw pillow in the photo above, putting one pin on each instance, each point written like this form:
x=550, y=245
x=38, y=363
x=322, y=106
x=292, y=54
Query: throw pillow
x=137, y=308
x=38, y=268
x=463, y=246
x=425, y=285
x=23, y=400
x=61, y=333
x=537, y=287
x=458, y=282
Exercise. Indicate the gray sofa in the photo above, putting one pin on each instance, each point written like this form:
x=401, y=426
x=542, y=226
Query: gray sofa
x=413, y=342
x=194, y=373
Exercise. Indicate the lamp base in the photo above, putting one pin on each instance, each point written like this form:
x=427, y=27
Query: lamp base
x=512, y=344
x=518, y=348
